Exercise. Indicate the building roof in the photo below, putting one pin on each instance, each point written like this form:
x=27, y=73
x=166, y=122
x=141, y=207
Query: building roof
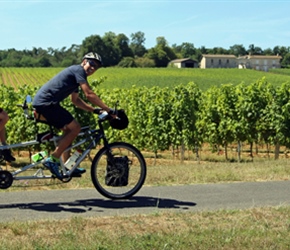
x=219, y=56
x=182, y=60
x=259, y=57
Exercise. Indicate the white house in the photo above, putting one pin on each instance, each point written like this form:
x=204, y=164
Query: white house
x=218, y=61
x=256, y=62
x=259, y=62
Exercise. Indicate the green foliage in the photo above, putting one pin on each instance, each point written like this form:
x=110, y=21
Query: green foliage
x=281, y=71
x=127, y=62
x=173, y=116
x=137, y=44
x=209, y=117
x=162, y=54
x=143, y=62
x=184, y=103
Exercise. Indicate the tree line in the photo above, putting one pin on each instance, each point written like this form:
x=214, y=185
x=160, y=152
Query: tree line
x=121, y=51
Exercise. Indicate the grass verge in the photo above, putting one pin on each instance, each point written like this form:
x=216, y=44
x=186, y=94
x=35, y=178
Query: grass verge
x=257, y=228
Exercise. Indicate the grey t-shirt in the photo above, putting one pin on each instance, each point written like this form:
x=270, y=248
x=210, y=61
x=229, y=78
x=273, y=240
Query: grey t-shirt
x=60, y=86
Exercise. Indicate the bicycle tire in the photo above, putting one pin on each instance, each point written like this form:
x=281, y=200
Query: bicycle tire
x=136, y=171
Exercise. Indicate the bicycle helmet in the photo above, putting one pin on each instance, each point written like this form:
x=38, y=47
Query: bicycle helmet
x=93, y=56
x=121, y=122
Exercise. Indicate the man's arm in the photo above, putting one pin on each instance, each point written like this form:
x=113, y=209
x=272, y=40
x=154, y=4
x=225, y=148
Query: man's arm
x=91, y=97
x=78, y=102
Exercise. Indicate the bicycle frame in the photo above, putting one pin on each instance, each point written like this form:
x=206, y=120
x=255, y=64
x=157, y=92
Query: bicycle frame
x=93, y=136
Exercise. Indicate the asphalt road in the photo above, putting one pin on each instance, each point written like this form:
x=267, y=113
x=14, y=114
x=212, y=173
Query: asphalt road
x=60, y=204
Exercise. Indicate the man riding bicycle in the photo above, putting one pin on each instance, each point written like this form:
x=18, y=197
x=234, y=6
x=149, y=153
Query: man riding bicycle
x=47, y=103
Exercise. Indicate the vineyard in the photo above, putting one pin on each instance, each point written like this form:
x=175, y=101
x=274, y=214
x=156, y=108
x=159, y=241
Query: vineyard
x=148, y=77
x=173, y=109
x=16, y=77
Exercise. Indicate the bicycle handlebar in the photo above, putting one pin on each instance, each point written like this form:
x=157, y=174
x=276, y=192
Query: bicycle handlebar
x=24, y=106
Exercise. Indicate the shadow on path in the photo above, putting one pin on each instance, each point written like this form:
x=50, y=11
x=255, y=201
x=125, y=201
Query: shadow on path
x=99, y=205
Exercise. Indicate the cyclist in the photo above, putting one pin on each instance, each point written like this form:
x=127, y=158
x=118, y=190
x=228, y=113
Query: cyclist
x=47, y=103
x=6, y=153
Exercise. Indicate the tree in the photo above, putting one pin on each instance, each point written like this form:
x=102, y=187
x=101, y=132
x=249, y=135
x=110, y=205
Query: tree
x=186, y=50
x=94, y=43
x=161, y=53
x=127, y=62
x=13, y=59
x=218, y=51
x=159, y=56
x=281, y=50
x=144, y=62
x=43, y=62
x=137, y=44
x=122, y=42
x=238, y=50
x=203, y=50
x=286, y=61
x=268, y=52
x=27, y=61
x=253, y=50
x=112, y=52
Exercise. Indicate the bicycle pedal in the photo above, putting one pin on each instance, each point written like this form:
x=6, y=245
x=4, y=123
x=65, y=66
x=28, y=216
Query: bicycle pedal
x=76, y=175
x=73, y=175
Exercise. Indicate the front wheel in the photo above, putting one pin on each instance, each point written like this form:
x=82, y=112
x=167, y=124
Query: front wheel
x=119, y=173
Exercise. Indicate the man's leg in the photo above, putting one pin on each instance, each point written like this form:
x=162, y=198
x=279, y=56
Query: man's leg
x=3, y=120
x=70, y=132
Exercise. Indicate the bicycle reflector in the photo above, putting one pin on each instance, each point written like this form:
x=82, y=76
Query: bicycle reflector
x=121, y=122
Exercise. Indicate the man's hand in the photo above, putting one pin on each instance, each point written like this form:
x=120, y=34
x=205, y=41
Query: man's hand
x=112, y=112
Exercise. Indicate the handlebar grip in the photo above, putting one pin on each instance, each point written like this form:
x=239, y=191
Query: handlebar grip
x=24, y=107
x=103, y=115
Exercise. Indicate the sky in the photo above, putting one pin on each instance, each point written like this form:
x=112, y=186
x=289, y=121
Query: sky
x=26, y=24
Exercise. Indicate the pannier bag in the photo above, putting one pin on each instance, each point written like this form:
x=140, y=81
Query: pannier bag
x=117, y=175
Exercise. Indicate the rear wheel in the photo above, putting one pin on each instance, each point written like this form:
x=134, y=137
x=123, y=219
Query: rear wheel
x=120, y=173
x=6, y=179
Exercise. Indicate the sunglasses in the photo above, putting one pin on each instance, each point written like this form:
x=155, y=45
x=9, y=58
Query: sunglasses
x=92, y=64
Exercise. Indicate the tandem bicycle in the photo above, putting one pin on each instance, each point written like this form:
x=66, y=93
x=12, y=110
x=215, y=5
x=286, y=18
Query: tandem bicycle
x=118, y=169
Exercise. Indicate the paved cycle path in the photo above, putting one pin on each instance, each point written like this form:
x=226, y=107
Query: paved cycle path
x=60, y=204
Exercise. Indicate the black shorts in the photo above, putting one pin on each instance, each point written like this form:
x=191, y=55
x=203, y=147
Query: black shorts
x=55, y=115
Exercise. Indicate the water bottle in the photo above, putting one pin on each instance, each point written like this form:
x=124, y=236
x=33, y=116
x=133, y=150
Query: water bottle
x=72, y=160
x=39, y=156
